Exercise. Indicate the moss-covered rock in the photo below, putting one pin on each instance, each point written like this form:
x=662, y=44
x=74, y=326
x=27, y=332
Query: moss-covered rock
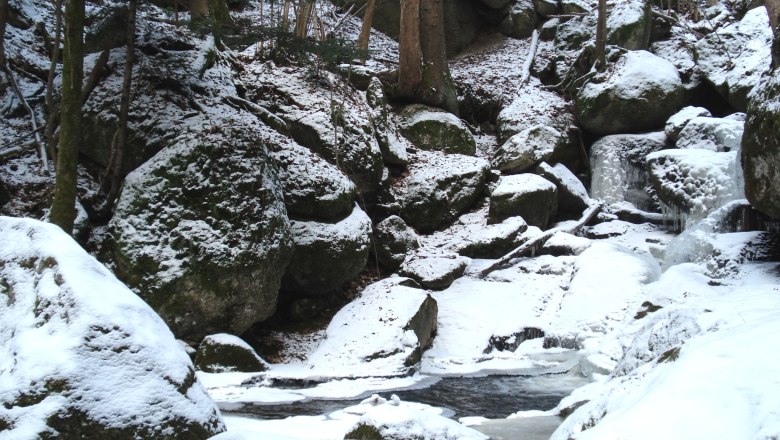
x=430, y=128
x=223, y=353
x=201, y=231
x=527, y=195
x=761, y=147
x=638, y=93
x=439, y=188
x=328, y=254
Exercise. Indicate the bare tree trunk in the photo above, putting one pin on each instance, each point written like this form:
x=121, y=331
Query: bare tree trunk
x=286, y=16
x=365, y=31
x=410, y=52
x=601, y=36
x=302, y=20
x=117, y=162
x=51, y=121
x=63, y=208
x=773, y=8
x=3, y=22
x=438, y=89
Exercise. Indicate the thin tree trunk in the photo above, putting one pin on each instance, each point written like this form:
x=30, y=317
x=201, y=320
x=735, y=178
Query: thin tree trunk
x=302, y=20
x=410, y=52
x=3, y=22
x=365, y=31
x=63, y=209
x=117, y=162
x=773, y=9
x=286, y=16
x=601, y=36
x=437, y=89
x=51, y=121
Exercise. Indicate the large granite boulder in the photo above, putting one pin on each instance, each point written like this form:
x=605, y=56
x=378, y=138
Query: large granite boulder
x=312, y=187
x=393, y=145
x=734, y=57
x=527, y=195
x=394, y=240
x=761, y=147
x=434, y=271
x=81, y=356
x=201, y=231
x=618, y=168
x=528, y=148
x=534, y=106
x=629, y=23
x=334, y=122
x=521, y=20
x=328, y=254
x=223, y=352
x=715, y=134
x=384, y=331
x=677, y=121
x=639, y=94
x=573, y=34
x=691, y=183
x=573, y=198
x=434, y=129
x=439, y=188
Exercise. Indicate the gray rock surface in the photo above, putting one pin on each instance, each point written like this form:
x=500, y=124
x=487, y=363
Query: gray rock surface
x=394, y=239
x=435, y=271
x=223, y=353
x=528, y=148
x=761, y=147
x=433, y=129
x=527, y=195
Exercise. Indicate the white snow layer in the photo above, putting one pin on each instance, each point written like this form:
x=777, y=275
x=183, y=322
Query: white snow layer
x=66, y=318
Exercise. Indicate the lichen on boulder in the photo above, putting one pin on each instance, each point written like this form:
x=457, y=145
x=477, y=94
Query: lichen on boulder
x=201, y=231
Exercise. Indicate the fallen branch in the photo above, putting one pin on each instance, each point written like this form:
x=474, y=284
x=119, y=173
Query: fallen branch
x=260, y=112
x=529, y=60
x=531, y=245
x=33, y=119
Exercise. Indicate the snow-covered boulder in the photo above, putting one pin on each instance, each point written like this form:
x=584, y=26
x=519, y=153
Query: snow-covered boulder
x=629, y=23
x=534, y=106
x=328, y=254
x=527, y=195
x=482, y=240
x=223, y=352
x=434, y=129
x=333, y=122
x=761, y=147
x=734, y=57
x=520, y=22
x=528, y=148
x=383, y=331
x=81, y=355
x=393, y=145
x=692, y=183
x=573, y=198
x=639, y=93
x=677, y=121
x=439, y=188
x=715, y=134
x=618, y=168
x=312, y=187
x=546, y=8
x=394, y=239
x=562, y=243
x=434, y=271
x=575, y=32
x=201, y=232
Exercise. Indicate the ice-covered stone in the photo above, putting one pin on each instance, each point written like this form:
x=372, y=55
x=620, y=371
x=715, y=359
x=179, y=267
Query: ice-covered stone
x=328, y=254
x=618, y=172
x=201, y=231
x=639, y=93
x=734, y=57
x=80, y=353
x=527, y=195
x=430, y=128
x=715, y=134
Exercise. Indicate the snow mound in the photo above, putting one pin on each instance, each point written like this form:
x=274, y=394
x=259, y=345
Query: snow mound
x=79, y=351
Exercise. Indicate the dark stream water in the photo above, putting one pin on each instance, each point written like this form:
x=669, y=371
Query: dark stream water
x=491, y=397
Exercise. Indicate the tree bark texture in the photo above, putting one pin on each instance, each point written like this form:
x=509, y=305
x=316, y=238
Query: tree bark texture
x=3, y=22
x=51, y=120
x=437, y=89
x=410, y=53
x=124, y=106
x=601, y=36
x=302, y=20
x=365, y=31
x=63, y=209
x=773, y=8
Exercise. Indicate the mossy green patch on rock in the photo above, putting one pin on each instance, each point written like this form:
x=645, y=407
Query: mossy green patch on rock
x=222, y=353
x=364, y=432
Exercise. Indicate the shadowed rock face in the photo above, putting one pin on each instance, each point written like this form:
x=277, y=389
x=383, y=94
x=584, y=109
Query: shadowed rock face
x=761, y=147
x=201, y=232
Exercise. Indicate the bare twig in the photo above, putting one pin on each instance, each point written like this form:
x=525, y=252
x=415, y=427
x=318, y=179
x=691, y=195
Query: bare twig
x=529, y=59
x=534, y=243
